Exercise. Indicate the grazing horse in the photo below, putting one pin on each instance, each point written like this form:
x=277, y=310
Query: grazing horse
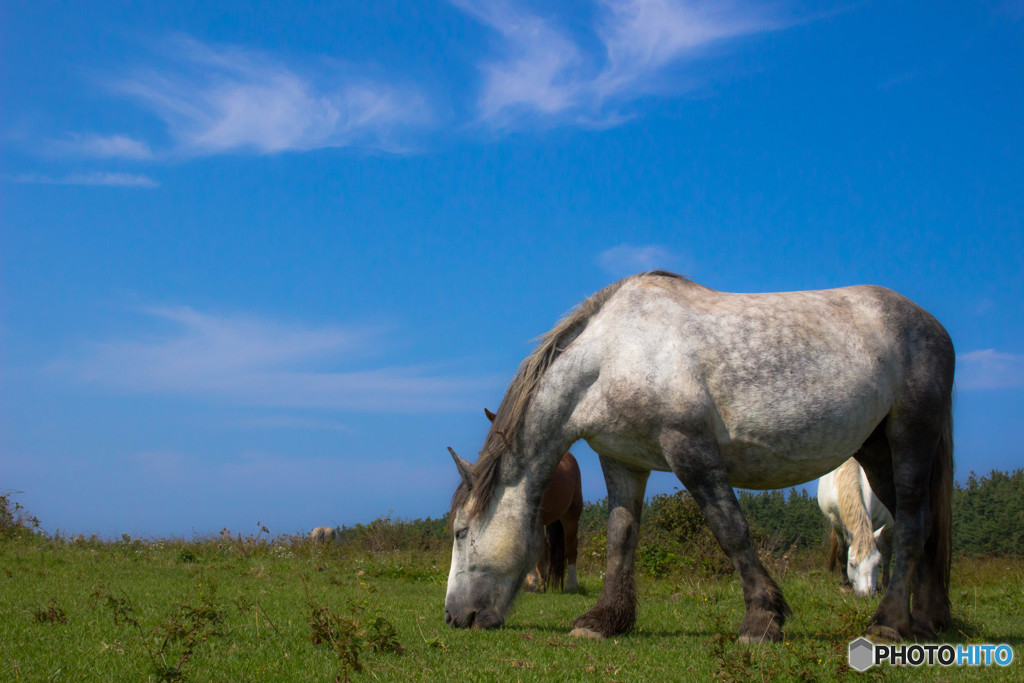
x=559, y=516
x=323, y=534
x=657, y=372
x=860, y=528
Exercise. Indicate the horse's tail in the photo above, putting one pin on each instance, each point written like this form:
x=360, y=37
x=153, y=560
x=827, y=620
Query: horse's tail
x=556, y=555
x=939, y=546
x=833, y=550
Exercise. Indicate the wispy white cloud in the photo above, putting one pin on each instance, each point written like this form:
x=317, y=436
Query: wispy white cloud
x=97, y=178
x=223, y=99
x=254, y=362
x=101, y=147
x=626, y=259
x=989, y=369
x=644, y=36
x=542, y=68
x=544, y=71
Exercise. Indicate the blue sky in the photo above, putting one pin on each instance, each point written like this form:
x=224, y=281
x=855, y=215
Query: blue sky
x=265, y=261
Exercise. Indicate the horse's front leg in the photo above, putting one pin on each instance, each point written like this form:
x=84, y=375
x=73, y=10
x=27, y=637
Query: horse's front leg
x=536, y=581
x=699, y=465
x=572, y=529
x=615, y=611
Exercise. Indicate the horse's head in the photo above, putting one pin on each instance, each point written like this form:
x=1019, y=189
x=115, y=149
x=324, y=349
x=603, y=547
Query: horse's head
x=862, y=567
x=492, y=552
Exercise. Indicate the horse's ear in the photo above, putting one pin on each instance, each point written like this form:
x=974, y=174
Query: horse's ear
x=465, y=469
x=490, y=415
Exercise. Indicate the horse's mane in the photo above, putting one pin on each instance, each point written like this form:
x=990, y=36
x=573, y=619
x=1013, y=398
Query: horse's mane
x=506, y=429
x=851, y=510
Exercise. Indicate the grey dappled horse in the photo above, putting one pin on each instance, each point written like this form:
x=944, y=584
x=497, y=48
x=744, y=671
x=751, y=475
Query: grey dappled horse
x=657, y=372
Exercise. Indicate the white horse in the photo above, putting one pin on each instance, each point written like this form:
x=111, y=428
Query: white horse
x=323, y=534
x=656, y=372
x=861, y=528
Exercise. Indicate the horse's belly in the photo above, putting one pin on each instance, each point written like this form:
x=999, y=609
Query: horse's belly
x=796, y=438
x=630, y=450
x=758, y=468
x=779, y=459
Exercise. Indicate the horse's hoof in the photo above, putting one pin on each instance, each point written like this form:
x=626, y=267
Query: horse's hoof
x=886, y=632
x=767, y=637
x=922, y=631
x=761, y=627
x=580, y=632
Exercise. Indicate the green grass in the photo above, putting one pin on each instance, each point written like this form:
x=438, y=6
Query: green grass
x=251, y=609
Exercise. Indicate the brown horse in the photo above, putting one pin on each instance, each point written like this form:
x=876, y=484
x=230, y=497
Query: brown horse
x=560, y=509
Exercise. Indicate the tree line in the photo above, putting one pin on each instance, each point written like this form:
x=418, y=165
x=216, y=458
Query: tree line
x=988, y=520
x=988, y=517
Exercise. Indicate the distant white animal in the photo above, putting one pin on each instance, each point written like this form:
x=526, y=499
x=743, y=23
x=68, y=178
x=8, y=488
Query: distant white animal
x=861, y=528
x=323, y=534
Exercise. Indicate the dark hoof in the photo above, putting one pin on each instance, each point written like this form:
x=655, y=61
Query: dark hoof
x=884, y=632
x=604, y=622
x=922, y=631
x=761, y=627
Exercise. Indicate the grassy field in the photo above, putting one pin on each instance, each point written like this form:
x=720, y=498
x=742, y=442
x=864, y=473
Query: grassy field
x=233, y=609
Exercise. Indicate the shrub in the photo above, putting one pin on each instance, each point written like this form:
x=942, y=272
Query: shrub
x=676, y=540
x=15, y=522
x=388, y=534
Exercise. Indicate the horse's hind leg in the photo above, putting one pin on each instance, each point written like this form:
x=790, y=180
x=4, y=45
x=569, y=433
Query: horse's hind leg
x=615, y=611
x=698, y=464
x=915, y=441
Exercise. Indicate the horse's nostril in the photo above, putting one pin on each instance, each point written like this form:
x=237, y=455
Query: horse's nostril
x=448, y=617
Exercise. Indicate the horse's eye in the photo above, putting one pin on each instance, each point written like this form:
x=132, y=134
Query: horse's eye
x=461, y=533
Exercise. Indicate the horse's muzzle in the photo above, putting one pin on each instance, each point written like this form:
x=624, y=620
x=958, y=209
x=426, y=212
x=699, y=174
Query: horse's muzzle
x=459, y=622
x=474, y=619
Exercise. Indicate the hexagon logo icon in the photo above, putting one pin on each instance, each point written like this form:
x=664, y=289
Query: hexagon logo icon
x=862, y=654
